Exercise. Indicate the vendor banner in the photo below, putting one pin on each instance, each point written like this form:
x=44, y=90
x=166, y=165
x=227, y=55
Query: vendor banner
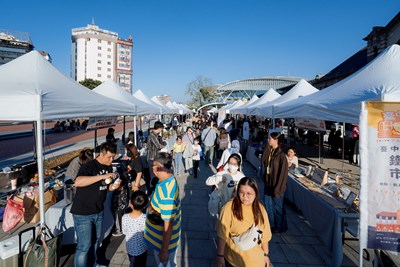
x=380, y=176
x=313, y=125
x=101, y=122
x=221, y=117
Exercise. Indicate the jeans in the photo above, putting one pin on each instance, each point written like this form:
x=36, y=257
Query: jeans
x=88, y=230
x=276, y=212
x=209, y=159
x=172, y=258
x=178, y=162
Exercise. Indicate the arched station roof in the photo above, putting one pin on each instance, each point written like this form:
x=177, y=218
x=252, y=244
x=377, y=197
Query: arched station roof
x=254, y=86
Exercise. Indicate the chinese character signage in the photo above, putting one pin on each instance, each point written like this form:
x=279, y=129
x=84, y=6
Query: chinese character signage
x=101, y=122
x=313, y=125
x=380, y=176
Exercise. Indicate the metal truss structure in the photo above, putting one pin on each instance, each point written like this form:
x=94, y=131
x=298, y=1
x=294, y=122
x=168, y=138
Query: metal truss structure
x=254, y=86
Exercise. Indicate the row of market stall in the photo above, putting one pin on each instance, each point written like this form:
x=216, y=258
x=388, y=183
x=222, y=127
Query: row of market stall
x=369, y=98
x=32, y=89
x=341, y=102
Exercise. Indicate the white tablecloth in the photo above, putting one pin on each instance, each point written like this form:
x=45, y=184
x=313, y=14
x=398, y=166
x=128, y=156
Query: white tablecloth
x=59, y=220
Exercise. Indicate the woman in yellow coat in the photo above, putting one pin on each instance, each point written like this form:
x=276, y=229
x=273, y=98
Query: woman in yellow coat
x=237, y=216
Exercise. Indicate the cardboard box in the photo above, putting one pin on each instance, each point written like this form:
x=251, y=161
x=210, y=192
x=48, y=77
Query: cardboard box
x=32, y=205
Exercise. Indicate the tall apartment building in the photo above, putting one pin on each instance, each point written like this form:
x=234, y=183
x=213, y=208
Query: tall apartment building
x=100, y=55
x=13, y=44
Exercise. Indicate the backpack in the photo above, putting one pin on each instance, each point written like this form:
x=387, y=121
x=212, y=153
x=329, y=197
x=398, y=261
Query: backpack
x=220, y=195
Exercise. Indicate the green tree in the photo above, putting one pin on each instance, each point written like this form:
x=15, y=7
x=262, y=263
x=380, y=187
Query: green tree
x=201, y=91
x=90, y=83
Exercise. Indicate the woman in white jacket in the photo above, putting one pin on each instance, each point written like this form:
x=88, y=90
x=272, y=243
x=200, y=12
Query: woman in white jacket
x=234, y=149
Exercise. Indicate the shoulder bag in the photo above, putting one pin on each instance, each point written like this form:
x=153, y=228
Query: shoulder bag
x=248, y=239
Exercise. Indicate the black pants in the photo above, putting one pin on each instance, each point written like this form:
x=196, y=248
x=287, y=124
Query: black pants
x=138, y=261
x=195, y=167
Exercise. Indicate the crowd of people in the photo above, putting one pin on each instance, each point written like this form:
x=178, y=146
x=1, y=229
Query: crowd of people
x=146, y=195
x=69, y=126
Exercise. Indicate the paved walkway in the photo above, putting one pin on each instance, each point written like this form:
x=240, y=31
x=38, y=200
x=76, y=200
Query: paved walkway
x=299, y=246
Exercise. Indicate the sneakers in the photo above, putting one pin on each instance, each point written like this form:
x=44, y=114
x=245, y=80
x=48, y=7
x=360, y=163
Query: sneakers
x=117, y=233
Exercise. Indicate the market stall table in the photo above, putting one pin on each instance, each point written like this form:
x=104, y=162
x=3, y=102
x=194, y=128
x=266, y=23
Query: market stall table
x=327, y=219
x=59, y=220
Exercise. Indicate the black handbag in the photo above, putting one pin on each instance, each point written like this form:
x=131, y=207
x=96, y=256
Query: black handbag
x=154, y=216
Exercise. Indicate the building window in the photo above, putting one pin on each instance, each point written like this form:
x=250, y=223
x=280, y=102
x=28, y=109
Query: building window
x=108, y=63
x=99, y=61
x=99, y=48
x=88, y=39
x=109, y=76
x=99, y=54
x=99, y=75
x=109, y=70
x=99, y=41
x=108, y=56
x=109, y=42
x=98, y=68
x=109, y=49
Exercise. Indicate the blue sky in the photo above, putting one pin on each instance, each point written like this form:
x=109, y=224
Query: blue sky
x=177, y=40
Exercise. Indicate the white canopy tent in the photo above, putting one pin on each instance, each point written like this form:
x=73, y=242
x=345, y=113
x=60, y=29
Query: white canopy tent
x=32, y=89
x=141, y=96
x=269, y=96
x=301, y=89
x=226, y=109
x=379, y=80
x=235, y=105
x=242, y=109
x=166, y=109
x=182, y=108
x=172, y=107
x=227, y=106
x=112, y=90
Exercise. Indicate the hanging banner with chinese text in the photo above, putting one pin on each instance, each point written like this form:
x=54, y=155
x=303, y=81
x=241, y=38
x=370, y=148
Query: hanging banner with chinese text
x=380, y=176
x=313, y=125
x=101, y=122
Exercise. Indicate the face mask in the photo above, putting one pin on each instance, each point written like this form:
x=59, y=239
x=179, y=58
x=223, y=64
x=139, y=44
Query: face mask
x=196, y=143
x=232, y=168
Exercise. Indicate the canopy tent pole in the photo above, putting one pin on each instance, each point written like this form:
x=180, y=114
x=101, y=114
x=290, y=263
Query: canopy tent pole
x=134, y=126
x=343, y=131
x=123, y=133
x=39, y=152
x=321, y=161
x=95, y=143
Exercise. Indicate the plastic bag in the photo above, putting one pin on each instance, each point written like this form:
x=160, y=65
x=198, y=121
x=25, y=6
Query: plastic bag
x=13, y=214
